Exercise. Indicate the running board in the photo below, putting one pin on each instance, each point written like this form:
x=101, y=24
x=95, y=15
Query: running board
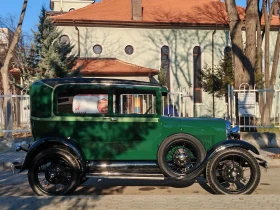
x=109, y=175
x=122, y=167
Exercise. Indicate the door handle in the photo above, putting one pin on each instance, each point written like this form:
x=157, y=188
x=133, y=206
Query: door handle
x=113, y=119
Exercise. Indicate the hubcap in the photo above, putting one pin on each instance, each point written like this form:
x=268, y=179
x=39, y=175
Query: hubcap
x=181, y=157
x=55, y=174
x=232, y=172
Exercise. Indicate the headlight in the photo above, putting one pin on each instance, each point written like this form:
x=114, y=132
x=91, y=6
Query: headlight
x=232, y=133
x=228, y=126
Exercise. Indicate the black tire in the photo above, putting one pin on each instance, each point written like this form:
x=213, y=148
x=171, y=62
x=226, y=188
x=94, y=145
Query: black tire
x=233, y=171
x=54, y=172
x=191, y=149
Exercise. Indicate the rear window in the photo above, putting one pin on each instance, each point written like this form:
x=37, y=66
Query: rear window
x=81, y=101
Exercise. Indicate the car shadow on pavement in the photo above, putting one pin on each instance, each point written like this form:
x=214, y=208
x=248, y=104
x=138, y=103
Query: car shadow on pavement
x=105, y=186
x=17, y=185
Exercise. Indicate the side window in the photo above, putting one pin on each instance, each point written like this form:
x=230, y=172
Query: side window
x=81, y=101
x=134, y=101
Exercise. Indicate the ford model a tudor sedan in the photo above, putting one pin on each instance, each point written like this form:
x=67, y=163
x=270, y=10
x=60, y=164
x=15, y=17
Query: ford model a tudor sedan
x=89, y=127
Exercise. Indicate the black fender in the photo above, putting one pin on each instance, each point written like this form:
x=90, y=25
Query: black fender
x=48, y=142
x=215, y=149
x=228, y=144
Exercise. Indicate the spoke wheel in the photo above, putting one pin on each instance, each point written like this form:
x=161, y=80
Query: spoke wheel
x=233, y=171
x=179, y=154
x=54, y=172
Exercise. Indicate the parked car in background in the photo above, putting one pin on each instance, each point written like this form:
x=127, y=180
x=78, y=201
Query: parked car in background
x=88, y=127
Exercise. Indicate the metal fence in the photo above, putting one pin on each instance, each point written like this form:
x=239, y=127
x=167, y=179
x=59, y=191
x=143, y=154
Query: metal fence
x=245, y=108
x=179, y=100
x=20, y=113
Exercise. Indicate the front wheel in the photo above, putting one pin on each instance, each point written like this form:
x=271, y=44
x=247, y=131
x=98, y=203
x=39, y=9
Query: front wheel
x=233, y=171
x=179, y=154
x=54, y=172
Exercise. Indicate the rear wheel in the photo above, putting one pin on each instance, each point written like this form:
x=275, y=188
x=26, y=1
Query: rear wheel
x=179, y=154
x=233, y=171
x=54, y=172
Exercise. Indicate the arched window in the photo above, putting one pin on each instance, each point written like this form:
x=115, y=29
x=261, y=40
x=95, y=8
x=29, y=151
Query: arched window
x=227, y=66
x=197, y=90
x=165, y=63
x=227, y=52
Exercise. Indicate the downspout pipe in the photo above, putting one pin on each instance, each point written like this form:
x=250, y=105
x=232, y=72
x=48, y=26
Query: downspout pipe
x=61, y=6
x=79, y=49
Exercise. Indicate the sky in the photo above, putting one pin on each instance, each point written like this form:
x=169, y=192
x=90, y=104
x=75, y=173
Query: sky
x=34, y=7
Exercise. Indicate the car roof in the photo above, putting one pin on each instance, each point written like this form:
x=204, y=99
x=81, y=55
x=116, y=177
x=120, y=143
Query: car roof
x=87, y=80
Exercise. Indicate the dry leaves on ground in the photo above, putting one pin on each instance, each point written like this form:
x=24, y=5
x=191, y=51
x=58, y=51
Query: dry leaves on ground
x=276, y=156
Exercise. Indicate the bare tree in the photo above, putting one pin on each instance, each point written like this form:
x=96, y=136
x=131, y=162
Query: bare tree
x=8, y=25
x=251, y=20
x=270, y=77
x=5, y=69
x=235, y=25
x=247, y=62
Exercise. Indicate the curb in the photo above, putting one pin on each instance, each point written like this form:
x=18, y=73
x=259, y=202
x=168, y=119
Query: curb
x=261, y=140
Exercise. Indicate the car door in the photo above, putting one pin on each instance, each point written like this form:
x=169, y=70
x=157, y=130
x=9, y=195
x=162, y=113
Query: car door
x=82, y=113
x=134, y=126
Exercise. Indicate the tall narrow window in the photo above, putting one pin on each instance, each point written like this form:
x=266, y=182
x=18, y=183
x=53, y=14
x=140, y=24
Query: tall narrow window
x=227, y=52
x=196, y=72
x=165, y=63
x=228, y=67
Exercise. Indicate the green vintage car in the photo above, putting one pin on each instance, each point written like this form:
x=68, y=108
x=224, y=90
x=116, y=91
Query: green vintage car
x=90, y=127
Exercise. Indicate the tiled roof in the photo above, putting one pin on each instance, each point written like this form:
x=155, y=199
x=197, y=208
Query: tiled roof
x=111, y=67
x=155, y=11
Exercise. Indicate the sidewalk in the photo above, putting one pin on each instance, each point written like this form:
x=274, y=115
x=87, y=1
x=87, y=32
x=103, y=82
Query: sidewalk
x=134, y=202
x=8, y=153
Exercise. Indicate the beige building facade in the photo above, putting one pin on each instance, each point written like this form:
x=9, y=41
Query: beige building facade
x=68, y=5
x=180, y=46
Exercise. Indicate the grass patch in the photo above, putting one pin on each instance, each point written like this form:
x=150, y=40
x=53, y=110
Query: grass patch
x=270, y=130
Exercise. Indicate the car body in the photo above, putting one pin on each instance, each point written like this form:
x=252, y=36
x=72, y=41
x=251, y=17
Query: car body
x=119, y=128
